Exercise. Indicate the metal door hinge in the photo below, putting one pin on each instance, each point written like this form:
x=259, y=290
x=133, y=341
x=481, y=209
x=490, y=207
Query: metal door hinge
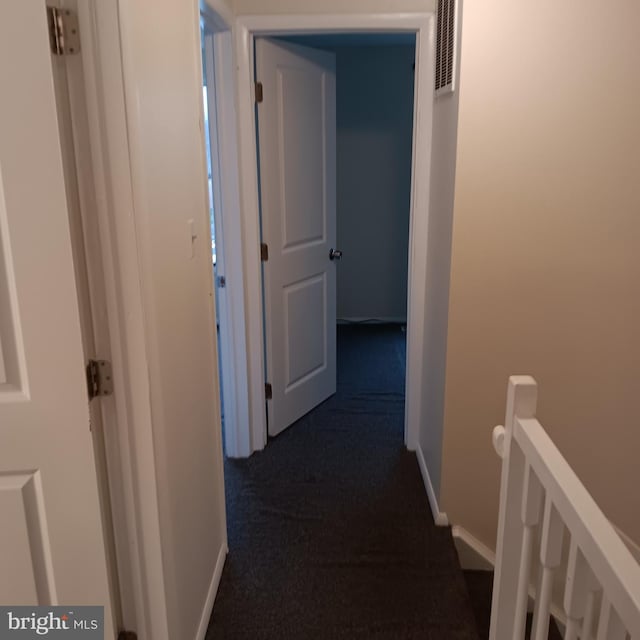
x=268, y=391
x=99, y=378
x=221, y=281
x=64, y=31
x=258, y=91
x=264, y=251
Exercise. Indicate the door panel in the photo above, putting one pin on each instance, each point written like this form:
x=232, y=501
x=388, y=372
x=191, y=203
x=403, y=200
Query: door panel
x=301, y=121
x=51, y=544
x=297, y=131
x=305, y=310
x=27, y=555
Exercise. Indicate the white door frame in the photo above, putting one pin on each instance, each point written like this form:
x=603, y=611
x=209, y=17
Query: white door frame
x=247, y=28
x=81, y=181
x=224, y=159
x=110, y=155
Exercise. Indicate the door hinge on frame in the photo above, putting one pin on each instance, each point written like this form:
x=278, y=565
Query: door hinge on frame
x=64, y=31
x=99, y=378
x=268, y=391
x=258, y=92
x=264, y=251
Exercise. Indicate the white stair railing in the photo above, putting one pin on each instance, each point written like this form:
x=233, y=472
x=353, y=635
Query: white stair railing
x=542, y=502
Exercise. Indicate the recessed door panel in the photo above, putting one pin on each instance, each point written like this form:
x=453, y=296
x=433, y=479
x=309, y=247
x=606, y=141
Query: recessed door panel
x=25, y=553
x=10, y=343
x=301, y=108
x=305, y=308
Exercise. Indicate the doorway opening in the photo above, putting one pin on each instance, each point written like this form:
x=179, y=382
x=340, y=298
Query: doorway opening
x=375, y=101
x=248, y=32
x=219, y=130
x=337, y=113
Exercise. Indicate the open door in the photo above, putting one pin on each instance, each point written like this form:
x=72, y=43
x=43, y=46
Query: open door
x=52, y=546
x=297, y=145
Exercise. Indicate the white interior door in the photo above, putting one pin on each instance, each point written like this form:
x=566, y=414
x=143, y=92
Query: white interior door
x=51, y=540
x=297, y=142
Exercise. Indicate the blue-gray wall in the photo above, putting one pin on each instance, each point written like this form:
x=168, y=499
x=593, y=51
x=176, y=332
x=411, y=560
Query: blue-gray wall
x=374, y=142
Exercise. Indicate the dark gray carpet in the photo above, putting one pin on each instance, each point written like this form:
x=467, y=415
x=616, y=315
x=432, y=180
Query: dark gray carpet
x=330, y=533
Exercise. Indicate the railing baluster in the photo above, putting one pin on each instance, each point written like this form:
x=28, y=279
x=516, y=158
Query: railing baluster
x=531, y=502
x=550, y=556
x=521, y=403
x=589, y=611
x=610, y=626
x=579, y=584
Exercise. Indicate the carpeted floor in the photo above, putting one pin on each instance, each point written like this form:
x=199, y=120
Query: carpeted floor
x=330, y=533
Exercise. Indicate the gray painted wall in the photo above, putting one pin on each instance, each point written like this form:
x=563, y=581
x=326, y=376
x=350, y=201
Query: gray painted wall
x=374, y=140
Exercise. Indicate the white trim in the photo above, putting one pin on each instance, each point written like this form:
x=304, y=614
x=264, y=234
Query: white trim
x=251, y=235
x=472, y=554
x=218, y=15
x=238, y=434
x=231, y=311
x=211, y=595
x=73, y=117
x=422, y=24
x=439, y=517
x=273, y=24
x=109, y=136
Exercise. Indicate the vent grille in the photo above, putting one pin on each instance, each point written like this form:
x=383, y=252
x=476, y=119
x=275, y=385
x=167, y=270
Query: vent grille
x=445, y=46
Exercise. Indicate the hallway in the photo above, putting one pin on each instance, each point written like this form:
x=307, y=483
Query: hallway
x=330, y=533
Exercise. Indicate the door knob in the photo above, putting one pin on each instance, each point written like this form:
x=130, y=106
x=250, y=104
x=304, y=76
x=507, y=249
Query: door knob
x=335, y=254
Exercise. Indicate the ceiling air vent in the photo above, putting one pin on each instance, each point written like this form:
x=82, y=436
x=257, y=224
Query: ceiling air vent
x=446, y=46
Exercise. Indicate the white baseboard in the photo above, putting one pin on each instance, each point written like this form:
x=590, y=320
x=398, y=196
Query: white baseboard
x=211, y=595
x=439, y=517
x=472, y=554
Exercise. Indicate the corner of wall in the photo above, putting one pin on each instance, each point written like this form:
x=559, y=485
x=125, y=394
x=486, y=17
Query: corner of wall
x=439, y=252
x=472, y=554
